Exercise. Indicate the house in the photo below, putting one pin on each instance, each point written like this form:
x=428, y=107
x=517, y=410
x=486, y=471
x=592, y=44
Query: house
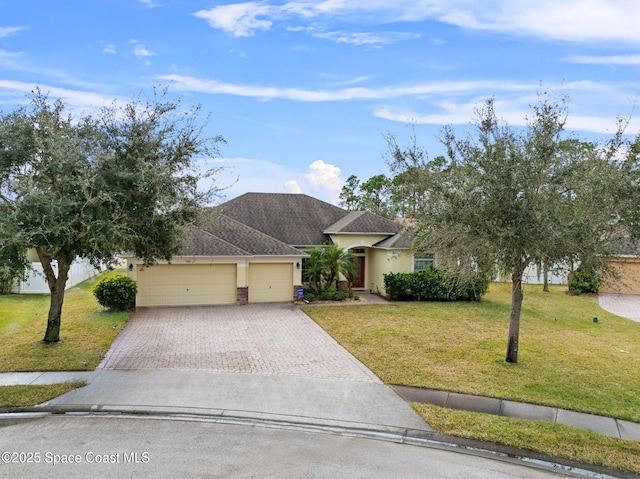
x=625, y=261
x=252, y=249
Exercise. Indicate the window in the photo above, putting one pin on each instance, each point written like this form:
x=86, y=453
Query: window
x=423, y=262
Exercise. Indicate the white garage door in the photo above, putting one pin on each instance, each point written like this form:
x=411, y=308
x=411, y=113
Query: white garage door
x=270, y=283
x=186, y=284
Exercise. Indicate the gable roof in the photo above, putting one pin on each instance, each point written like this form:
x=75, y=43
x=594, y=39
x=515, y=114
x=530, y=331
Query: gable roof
x=364, y=222
x=218, y=235
x=294, y=219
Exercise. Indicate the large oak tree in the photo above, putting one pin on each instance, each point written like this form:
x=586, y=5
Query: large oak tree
x=123, y=179
x=508, y=197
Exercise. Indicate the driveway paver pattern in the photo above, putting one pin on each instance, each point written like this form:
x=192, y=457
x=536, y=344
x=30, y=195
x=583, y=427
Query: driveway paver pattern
x=267, y=339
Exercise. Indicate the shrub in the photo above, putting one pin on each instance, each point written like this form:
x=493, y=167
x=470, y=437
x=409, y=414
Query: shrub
x=433, y=284
x=584, y=281
x=116, y=292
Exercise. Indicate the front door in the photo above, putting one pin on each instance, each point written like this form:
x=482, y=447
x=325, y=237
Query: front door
x=357, y=278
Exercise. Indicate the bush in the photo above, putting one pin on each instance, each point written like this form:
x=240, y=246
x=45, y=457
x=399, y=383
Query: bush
x=332, y=294
x=433, y=284
x=584, y=281
x=116, y=292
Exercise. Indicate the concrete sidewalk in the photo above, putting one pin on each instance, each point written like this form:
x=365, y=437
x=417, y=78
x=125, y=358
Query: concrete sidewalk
x=326, y=402
x=40, y=378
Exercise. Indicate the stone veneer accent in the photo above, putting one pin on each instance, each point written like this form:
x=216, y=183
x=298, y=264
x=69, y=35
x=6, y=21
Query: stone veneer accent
x=242, y=295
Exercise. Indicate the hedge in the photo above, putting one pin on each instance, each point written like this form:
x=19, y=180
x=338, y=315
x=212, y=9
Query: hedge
x=116, y=292
x=433, y=284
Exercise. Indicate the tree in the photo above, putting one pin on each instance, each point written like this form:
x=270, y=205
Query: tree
x=349, y=195
x=374, y=195
x=325, y=265
x=506, y=198
x=121, y=180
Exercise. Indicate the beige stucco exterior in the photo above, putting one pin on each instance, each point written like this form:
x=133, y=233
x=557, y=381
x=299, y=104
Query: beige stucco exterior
x=378, y=261
x=629, y=281
x=384, y=261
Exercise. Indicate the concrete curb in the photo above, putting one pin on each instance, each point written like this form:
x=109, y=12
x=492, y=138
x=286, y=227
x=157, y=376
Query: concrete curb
x=599, y=424
x=411, y=437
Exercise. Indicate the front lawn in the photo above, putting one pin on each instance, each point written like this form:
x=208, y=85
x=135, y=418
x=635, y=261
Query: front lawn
x=20, y=396
x=86, y=333
x=566, y=360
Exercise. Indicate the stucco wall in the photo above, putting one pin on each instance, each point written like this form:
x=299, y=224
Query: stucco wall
x=381, y=262
x=629, y=281
x=356, y=241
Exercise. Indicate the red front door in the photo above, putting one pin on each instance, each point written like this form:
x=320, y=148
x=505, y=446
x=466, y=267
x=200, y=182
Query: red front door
x=357, y=278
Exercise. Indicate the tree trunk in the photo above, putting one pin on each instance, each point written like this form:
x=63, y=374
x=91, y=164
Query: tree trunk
x=516, y=307
x=57, y=288
x=545, y=275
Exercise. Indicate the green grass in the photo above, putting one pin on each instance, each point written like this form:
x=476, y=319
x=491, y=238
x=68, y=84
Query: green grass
x=566, y=360
x=553, y=439
x=16, y=396
x=86, y=333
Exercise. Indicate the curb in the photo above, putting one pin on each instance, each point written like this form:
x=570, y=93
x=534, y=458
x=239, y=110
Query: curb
x=411, y=437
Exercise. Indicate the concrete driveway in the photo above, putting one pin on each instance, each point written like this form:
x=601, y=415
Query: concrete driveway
x=625, y=305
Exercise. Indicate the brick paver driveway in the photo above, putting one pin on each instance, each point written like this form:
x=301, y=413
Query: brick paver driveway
x=269, y=339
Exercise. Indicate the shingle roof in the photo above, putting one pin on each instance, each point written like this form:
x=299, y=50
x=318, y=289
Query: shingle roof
x=402, y=240
x=218, y=235
x=364, y=222
x=294, y=219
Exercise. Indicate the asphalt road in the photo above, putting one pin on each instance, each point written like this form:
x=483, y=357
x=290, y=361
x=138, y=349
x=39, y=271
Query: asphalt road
x=56, y=446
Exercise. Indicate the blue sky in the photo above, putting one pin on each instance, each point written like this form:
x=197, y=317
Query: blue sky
x=304, y=91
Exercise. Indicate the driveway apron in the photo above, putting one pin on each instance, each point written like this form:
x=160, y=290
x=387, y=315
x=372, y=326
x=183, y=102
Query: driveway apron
x=266, y=361
x=625, y=305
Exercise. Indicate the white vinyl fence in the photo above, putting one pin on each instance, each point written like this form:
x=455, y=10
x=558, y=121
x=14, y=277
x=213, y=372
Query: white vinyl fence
x=35, y=282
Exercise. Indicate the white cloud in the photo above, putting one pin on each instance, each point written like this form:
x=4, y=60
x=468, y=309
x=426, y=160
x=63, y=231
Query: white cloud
x=187, y=83
x=633, y=60
x=141, y=51
x=7, y=31
x=240, y=19
x=324, y=180
x=365, y=38
x=569, y=20
x=78, y=101
x=109, y=48
x=150, y=3
x=321, y=180
x=292, y=186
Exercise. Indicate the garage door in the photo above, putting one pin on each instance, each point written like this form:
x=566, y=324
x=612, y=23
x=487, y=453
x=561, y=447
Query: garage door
x=270, y=283
x=186, y=284
x=629, y=281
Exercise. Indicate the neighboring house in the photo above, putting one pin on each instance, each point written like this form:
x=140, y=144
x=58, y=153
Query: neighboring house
x=252, y=249
x=626, y=263
x=35, y=281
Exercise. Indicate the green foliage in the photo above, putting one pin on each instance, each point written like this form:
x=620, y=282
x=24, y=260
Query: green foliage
x=325, y=265
x=374, y=195
x=332, y=294
x=433, y=284
x=584, y=281
x=116, y=292
x=508, y=198
x=123, y=179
